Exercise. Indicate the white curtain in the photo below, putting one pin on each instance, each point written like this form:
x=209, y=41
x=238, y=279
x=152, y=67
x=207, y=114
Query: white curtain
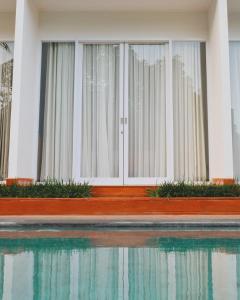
x=58, y=104
x=190, y=115
x=235, y=92
x=100, y=111
x=6, y=74
x=147, y=110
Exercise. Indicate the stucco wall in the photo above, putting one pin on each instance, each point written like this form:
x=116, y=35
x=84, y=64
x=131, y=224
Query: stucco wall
x=7, y=26
x=123, y=26
x=234, y=26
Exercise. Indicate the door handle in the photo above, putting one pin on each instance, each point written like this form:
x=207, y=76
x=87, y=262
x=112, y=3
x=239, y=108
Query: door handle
x=123, y=121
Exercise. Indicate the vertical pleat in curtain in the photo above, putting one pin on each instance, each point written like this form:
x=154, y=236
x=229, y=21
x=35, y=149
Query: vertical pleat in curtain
x=56, y=121
x=192, y=275
x=100, y=111
x=147, y=110
x=190, y=111
x=6, y=74
x=147, y=273
x=235, y=99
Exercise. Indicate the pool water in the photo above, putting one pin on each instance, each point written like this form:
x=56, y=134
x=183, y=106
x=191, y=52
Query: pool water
x=119, y=264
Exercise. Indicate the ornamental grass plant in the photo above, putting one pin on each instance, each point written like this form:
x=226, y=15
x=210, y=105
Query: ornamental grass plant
x=182, y=189
x=47, y=189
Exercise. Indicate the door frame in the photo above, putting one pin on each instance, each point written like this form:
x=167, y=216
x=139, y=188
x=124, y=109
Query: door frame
x=169, y=120
x=77, y=127
x=123, y=178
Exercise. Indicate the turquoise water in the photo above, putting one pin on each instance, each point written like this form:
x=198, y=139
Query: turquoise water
x=67, y=265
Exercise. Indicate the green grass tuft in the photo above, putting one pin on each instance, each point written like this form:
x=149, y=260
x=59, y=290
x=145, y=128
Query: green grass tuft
x=181, y=189
x=47, y=189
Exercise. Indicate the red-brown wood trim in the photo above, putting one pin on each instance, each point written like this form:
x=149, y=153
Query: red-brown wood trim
x=120, y=206
x=121, y=191
x=223, y=181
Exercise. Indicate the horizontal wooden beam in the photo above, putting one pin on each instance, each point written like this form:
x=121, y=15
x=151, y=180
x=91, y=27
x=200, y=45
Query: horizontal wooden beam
x=119, y=206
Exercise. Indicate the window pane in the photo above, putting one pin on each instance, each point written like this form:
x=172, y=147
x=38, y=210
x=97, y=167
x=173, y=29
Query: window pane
x=147, y=110
x=235, y=92
x=56, y=111
x=6, y=75
x=100, y=111
x=190, y=111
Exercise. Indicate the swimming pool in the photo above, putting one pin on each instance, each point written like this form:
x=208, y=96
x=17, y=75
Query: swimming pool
x=72, y=263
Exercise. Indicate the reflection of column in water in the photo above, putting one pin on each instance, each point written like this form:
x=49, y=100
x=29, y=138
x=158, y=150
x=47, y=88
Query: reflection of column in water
x=224, y=276
x=18, y=276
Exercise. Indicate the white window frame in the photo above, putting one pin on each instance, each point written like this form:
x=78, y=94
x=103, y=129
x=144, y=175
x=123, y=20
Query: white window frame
x=169, y=122
x=78, y=118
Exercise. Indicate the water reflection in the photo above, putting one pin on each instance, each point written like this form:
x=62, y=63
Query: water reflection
x=163, y=268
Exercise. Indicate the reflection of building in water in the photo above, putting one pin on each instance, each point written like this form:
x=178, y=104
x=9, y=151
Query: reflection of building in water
x=187, y=273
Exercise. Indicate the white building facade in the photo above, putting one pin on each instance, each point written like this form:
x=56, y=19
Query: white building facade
x=120, y=92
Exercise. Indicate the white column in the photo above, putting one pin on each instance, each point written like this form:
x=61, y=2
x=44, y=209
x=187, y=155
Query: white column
x=219, y=93
x=26, y=79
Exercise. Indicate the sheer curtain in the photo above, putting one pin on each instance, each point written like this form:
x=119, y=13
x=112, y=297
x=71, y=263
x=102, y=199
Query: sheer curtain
x=147, y=110
x=56, y=112
x=6, y=74
x=235, y=91
x=190, y=111
x=100, y=111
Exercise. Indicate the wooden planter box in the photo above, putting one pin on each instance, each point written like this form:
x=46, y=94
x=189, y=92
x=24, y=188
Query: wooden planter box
x=119, y=206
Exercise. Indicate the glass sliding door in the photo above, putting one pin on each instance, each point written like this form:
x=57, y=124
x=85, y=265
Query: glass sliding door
x=190, y=111
x=101, y=142
x=235, y=95
x=124, y=113
x=146, y=111
x=6, y=76
x=56, y=111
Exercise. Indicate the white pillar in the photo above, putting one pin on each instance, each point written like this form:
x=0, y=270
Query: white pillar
x=25, y=100
x=219, y=93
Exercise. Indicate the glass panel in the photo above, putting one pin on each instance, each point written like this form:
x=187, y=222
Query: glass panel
x=56, y=111
x=6, y=76
x=235, y=92
x=147, y=110
x=190, y=111
x=100, y=111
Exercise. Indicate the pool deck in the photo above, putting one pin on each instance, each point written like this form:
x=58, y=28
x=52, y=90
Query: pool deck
x=125, y=221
